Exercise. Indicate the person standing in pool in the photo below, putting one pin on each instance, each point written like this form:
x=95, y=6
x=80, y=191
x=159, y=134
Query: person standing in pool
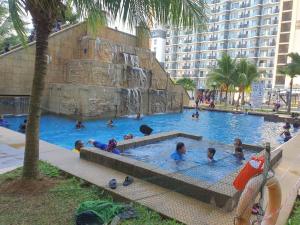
x=287, y=136
x=238, y=149
x=110, y=123
x=138, y=116
x=78, y=146
x=210, y=154
x=79, y=124
x=238, y=153
x=178, y=155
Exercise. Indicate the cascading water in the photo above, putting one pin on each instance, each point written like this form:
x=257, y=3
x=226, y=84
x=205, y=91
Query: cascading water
x=140, y=76
x=134, y=100
x=131, y=60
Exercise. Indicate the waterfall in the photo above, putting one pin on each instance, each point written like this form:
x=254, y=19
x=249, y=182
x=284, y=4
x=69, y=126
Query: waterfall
x=134, y=100
x=141, y=76
x=131, y=60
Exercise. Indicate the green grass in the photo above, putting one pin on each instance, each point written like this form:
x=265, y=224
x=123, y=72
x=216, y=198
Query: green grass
x=57, y=205
x=295, y=218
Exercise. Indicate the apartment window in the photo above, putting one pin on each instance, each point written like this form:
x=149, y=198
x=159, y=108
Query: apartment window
x=284, y=38
x=285, y=27
x=155, y=41
x=283, y=48
x=286, y=16
x=287, y=5
x=282, y=59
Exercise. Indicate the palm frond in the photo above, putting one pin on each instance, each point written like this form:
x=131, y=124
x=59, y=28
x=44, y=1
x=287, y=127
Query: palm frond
x=16, y=11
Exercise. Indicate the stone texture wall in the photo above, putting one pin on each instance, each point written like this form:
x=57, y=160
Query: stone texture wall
x=94, y=74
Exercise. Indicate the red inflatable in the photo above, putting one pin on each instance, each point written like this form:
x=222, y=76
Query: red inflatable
x=254, y=167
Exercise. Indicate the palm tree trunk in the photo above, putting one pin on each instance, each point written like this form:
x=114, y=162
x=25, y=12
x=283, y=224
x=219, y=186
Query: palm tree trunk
x=31, y=156
x=243, y=98
x=290, y=97
x=226, y=96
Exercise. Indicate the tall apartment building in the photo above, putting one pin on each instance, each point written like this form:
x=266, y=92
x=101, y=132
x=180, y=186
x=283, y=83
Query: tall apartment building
x=158, y=42
x=288, y=40
x=241, y=28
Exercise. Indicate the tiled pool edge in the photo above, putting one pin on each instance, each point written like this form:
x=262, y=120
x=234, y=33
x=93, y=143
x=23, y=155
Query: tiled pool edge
x=221, y=194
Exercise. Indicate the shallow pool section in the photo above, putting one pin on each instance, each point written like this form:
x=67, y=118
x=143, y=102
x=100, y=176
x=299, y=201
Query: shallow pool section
x=195, y=163
x=217, y=126
x=148, y=158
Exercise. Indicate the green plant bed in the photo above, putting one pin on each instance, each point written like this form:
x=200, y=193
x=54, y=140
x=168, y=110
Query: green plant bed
x=295, y=217
x=56, y=200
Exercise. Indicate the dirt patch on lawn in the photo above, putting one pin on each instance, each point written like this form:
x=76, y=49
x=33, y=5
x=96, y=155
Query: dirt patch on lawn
x=27, y=187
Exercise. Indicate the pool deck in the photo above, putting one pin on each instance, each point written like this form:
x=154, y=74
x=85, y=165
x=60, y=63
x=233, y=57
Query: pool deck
x=168, y=203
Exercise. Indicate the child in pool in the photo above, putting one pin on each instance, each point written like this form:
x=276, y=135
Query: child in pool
x=210, y=154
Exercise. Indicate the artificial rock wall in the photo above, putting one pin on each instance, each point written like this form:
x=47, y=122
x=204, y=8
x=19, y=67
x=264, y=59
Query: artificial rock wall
x=94, y=74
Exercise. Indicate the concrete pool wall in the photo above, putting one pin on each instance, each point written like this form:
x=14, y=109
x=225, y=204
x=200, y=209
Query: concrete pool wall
x=220, y=194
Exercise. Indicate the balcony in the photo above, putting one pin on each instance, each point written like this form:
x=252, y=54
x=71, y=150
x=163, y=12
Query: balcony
x=213, y=38
x=272, y=43
x=187, y=41
x=213, y=29
x=244, y=15
x=242, y=35
x=186, y=67
x=186, y=58
x=241, y=46
x=215, y=1
x=240, y=55
x=275, y=21
x=187, y=49
x=243, y=25
x=213, y=20
x=212, y=48
x=276, y=10
x=215, y=10
x=212, y=56
x=274, y=32
x=245, y=5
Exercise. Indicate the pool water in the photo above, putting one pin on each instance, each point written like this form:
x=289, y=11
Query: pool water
x=216, y=126
x=195, y=163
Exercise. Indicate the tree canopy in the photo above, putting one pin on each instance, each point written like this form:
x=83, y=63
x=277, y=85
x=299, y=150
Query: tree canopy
x=187, y=83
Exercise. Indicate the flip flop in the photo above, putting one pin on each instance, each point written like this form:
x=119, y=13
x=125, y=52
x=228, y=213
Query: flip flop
x=128, y=180
x=112, y=184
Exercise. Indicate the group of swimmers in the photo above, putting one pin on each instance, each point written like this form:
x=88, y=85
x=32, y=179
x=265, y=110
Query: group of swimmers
x=180, y=151
x=22, y=126
x=111, y=146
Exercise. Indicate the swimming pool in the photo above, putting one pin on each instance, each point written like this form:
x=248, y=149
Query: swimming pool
x=195, y=164
x=216, y=126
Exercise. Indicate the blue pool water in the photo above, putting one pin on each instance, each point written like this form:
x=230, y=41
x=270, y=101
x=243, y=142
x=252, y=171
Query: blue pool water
x=216, y=126
x=195, y=163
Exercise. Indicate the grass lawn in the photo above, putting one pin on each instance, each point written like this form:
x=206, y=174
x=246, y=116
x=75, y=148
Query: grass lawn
x=54, y=199
x=295, y=218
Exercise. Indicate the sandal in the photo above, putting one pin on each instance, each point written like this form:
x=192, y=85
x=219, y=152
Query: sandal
x=112, y=184
x=128, y=180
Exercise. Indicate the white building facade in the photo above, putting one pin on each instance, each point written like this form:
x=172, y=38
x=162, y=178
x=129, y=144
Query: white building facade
x=240, y=28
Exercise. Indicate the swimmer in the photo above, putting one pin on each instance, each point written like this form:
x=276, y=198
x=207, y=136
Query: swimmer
x=287, y=136
x=138, y=116
x=22, y=127
x=210, y=154
x=110, y=123
x=287, y=126
x=179, y=153
x=296, y=123
x=237, y=142
x=197, y=115
x=238, y=153
x=110, y=147
x=78, y=146
x=128, y=136
x=79, y=124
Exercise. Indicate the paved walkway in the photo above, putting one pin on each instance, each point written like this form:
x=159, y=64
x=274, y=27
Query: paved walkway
x=164, y=201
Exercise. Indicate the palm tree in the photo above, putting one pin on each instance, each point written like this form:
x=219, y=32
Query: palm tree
x=246, y=73
x=292, y=70
x=187, y=83
x=223, y=74
x=44, y=14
